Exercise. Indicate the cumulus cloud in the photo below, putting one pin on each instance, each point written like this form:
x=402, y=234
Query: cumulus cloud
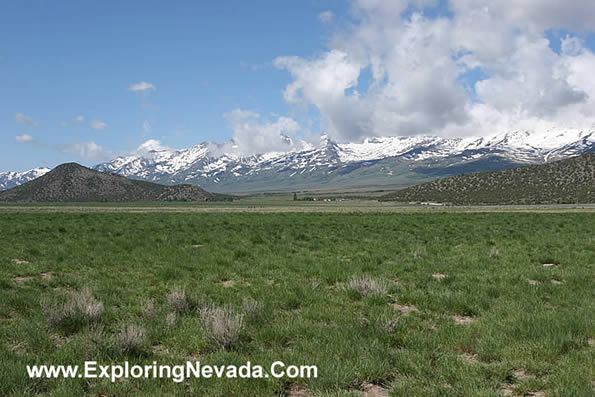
x=98, y=125
x=252, y=134
x=147, y=148
x=326, y=16
x=143, y=86
x=22, y=118
x=25, y=138
x=484, y=65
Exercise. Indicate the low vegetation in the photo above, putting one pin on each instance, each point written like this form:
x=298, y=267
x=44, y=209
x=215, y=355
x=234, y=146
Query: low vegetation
x=492, y=303
x=81, y=308
x=221, y=325
x=133, y=339
x=367, y=286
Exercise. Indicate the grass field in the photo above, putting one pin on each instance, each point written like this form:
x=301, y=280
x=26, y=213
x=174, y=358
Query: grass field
x=409, y=304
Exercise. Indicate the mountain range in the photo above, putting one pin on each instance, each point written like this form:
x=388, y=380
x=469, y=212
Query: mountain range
x=374, y=162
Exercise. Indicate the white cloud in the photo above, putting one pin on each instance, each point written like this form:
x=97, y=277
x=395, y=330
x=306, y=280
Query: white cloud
x=86, y=150
x=22, y=118
x=326, y=16
x=396, y=73
x=252, y=134
x=150, y=146
x=80, y=118
x=25, y=138
x=98, y=125
x=143, y=86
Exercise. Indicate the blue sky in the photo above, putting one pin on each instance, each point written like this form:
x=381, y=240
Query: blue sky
x=59, y=60
x=213, y=72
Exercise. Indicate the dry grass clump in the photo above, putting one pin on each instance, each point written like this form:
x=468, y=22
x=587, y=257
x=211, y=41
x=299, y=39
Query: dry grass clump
x=81, y=307
x=171, y=319
x=367, y=286
x=221, y=325
x=148, y=308
x=85, y=303
x=494, y=252
x=388, y=324
x=252, y=308
x=178, y=300
x=132, y=339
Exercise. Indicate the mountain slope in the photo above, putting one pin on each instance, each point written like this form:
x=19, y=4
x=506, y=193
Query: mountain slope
x=11, y=179
x=565, y=181
x=374, y=162
x=72, y=182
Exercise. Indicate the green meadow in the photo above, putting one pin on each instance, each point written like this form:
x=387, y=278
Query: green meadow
x=409, y=304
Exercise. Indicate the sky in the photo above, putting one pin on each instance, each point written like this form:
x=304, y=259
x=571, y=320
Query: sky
x=87, y=81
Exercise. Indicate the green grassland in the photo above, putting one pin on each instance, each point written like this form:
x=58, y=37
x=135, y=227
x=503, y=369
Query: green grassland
x=484, y=316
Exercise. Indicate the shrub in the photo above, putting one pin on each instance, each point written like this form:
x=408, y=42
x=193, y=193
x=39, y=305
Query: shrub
x=178, y=300
x=367, y=286
x=87, y=305
x=171, y=319
x=81, y=308
x=221, y=325
x=132, y=339
x=148, y=308
x=388, y=324
x=252, y=308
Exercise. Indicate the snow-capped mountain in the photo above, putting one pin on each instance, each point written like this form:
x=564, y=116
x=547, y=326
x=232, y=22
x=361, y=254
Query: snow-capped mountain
x=373, y=162
x=12, y=179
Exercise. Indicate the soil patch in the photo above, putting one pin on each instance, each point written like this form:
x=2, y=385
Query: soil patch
x=469, y=358
x=295, y=390
x=22, y=279
x=159, y=349
x=404, y=308
x=47, y=276
x=371, y=390
x=463, y=320
x=59, y=340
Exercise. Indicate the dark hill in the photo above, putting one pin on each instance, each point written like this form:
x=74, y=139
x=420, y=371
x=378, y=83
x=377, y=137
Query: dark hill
x=567, y=181
x=72, y=182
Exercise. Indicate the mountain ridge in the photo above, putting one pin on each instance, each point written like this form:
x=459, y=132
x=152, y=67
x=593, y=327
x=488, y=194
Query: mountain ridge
x=380, y=161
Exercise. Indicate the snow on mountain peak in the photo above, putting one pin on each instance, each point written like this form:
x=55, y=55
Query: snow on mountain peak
x=213, y=163
x=152, y=145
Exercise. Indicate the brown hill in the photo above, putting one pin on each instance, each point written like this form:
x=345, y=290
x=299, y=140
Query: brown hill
x=566, y=181
x=72, y=182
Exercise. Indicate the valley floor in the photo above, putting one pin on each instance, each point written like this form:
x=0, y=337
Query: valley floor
x=428, y=301
x=280, y=206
